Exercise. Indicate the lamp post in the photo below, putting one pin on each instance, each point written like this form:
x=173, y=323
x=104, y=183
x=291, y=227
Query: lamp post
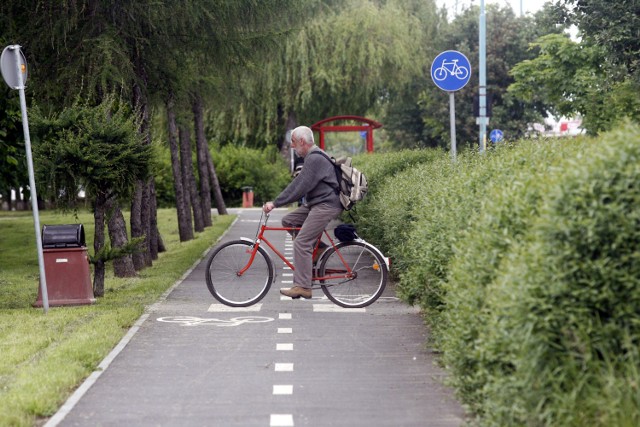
x=482, y=120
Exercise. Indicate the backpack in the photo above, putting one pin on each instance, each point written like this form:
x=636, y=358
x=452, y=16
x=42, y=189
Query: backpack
x=351, y=182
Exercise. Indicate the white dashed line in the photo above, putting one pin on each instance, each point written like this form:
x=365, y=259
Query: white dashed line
x=282, y=389
x=284, y=347
x=281, y=420
x=283, y=367
x=284, y=420
x=221, y=308
x=301, y=300
x=324, y=308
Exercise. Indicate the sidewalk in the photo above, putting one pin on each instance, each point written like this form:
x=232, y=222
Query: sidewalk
x=193, y=362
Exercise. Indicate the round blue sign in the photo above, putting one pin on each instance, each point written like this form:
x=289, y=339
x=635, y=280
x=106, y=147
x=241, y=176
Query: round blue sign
x=451, y=70
x=496, y=135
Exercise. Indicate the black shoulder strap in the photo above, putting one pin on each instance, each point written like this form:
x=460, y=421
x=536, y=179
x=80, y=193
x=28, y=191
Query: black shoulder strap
x=325, y=155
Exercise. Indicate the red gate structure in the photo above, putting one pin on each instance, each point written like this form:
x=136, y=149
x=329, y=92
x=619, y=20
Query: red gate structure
x=367, y=125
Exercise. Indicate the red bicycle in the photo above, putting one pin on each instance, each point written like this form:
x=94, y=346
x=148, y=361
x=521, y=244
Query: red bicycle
x=352, y=274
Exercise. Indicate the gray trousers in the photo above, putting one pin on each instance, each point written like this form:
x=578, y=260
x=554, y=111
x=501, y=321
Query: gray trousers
x=313, y=221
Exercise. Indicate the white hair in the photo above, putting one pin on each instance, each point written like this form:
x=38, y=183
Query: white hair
x=305, y=134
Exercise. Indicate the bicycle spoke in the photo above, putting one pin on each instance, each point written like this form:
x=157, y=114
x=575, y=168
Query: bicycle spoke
x=367, y=279
x=226, y=283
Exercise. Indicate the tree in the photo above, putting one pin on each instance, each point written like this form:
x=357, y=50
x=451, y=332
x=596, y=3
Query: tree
x=611, y=25
x=96, y=149
x=596, y=77
x=347, y=60
x=206, y=168
x=189, y=179
x=507, y=43
x=97, y=47
x=185, y=229
x=92, y=48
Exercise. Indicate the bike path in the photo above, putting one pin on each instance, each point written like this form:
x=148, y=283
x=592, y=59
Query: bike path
x=282, y=362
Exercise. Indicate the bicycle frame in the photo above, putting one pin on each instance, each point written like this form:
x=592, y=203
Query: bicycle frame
x=346, y=274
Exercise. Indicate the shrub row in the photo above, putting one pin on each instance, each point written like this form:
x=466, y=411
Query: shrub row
x=262, y=169
x=526, y=263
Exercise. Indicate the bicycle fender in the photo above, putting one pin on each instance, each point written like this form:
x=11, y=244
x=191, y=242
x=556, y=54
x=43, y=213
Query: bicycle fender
x=387, y=260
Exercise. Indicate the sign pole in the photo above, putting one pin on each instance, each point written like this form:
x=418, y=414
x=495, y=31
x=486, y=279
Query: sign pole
x=451, y=71
x=19, y=81
x=452, y=120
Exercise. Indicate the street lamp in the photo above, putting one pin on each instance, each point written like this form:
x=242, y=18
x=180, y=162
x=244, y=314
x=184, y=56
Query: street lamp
x=482, y=120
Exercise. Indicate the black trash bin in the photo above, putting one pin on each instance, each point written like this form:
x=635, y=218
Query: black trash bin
x=66, y=266
x=63, y=236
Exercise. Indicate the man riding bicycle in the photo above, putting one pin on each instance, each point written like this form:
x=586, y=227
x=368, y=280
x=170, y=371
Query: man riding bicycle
x=318, y=184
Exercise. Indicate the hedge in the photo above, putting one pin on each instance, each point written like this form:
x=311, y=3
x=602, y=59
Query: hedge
x=262, y=169
x=526, y=263
x=379, y=170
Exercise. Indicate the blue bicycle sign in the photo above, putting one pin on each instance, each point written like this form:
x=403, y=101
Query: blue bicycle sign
x=450, y=70
x=496, y=135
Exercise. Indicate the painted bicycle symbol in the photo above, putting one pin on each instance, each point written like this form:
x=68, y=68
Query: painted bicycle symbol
x=450, y=68
x=196, y=321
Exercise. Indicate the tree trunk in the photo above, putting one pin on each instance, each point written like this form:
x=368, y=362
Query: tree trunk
x=189, y=179
x=161, y=246
x=139, y=218
x=185, y=230
x=98, y=244
x=215, y=185
x=158, y=246
x=145, y=215
x=122, y=266
x=141, y=203
x=201, y=154
x=141, y=223
x=136, y=224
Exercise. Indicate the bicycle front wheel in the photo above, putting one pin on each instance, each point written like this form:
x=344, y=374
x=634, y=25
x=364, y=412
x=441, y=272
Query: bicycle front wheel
x=228, y=285
x=362, y=282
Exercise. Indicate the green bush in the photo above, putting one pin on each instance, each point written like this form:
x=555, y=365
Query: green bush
x=380, y=170
x=449, y=198
x=263, y=170
x=525, y=261
x=565, y=310
x=509, y=203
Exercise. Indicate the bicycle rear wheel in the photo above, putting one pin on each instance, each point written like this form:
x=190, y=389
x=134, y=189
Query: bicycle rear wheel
x=368, y=279
x=224, y=281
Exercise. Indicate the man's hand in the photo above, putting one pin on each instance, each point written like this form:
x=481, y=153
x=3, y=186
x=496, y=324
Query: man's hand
x=268, y=207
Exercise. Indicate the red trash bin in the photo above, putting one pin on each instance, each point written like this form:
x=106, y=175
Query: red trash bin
x=247, y=197
x=66, y=266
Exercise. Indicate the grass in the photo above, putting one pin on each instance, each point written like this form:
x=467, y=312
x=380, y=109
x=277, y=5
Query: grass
x=44, y=357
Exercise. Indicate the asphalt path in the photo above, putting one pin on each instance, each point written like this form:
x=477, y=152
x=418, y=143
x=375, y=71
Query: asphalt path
x=191, y=361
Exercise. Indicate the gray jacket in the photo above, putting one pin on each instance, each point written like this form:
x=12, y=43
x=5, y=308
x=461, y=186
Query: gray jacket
x=316, y=182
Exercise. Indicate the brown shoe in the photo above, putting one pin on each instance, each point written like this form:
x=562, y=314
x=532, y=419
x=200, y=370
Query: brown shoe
x=296, y=292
